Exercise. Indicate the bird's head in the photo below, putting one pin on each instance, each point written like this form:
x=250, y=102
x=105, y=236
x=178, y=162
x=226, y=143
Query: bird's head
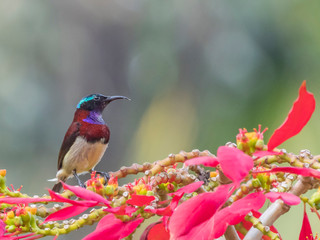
x=97, y=102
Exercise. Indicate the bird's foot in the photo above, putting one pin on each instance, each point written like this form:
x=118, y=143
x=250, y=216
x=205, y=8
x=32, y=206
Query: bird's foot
x=80, y=183
x=105, y=175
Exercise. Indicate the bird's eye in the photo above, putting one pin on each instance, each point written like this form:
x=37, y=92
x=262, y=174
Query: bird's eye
x=96, y=98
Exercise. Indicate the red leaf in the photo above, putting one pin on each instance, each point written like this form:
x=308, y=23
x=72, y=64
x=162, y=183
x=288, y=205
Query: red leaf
x=58, y=198
x=306, y=172
x=197, y=211
x=188, y=188
x=12, y=236
x=86, y=194
x=298, y=117
x=235, y=164
x=306, y=231
x=140, y=200
x=65, y=213
x=2, y=228
x=166, y=211
x=130, y=227
x=122, y=210
x=155, y=231
x=175, y=201
x=13, y=200
x=287, y=198
x=206, y=161
x=234, y=214
x=112, y=228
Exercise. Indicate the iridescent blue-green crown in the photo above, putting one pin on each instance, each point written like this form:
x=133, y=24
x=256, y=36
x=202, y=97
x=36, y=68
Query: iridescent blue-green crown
x=86, y=99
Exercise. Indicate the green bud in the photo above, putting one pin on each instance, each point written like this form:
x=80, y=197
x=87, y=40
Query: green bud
x=143, y=192
x=25, y=217
x=315, y=198
x=252, y=143
x=259, y=144
x=150, y=193
x=256, y=183
x=3, y=183
x=18, y=221
x=9, y=221
x=211, y=185
x=109, y=190
x=11, y=228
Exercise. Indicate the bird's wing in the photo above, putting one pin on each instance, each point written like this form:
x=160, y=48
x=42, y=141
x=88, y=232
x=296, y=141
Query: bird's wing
x=70, y=137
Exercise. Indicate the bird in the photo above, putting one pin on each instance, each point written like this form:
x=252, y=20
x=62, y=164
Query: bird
x=85, y=141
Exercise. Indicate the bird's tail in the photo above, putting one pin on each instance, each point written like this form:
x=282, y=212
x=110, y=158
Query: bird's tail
x=57, y=187
x=52, y=180
x=61, y=177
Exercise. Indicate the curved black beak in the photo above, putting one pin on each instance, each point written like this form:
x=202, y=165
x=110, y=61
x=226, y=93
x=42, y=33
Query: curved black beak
x=109, y=99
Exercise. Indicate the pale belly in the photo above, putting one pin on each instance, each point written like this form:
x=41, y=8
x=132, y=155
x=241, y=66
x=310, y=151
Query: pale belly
x=83, y=156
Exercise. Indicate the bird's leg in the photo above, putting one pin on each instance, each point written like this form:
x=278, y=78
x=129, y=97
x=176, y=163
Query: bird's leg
x=81, y=184
x=104, y=174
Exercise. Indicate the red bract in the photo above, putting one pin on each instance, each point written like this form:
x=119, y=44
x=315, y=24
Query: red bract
x=287, y=198
x=58, y=198
x=206, y=161
x=167, y=211
x=86, y=194
x=306, y=172
x=112, y=228
x=140, y=200
x=297, y=118
x=65, y=213
x=11, y=200
x=306, y=231
x=2, y=228
x=233, y=214
x=194, y=213
x=12, y=236
x=122, y=210
x=155, y=231
x=188, y=188
x=235, y=164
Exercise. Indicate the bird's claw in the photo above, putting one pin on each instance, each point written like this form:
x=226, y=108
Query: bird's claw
x=105, y=175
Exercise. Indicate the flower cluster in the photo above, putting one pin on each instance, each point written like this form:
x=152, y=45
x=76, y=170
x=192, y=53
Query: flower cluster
x=225, y=198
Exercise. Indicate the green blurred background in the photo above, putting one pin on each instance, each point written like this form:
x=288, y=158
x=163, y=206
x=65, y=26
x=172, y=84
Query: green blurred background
x=196, y=71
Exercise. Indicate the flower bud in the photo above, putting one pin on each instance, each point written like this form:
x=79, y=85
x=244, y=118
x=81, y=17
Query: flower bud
x=213, y=174
x=259, y=144
x=256, y=183
x=315, y=198
x=109, y=190
x=11, y=228
x=18, y=221
x=3, y=172
x=26, y=217
x=150, y=193
x=10, y=214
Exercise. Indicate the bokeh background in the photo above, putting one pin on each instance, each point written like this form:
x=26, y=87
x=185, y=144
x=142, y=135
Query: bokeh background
x=196, y=71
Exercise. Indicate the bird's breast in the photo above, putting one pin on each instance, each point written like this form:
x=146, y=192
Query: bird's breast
x=83, y=155
x=94, y=132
